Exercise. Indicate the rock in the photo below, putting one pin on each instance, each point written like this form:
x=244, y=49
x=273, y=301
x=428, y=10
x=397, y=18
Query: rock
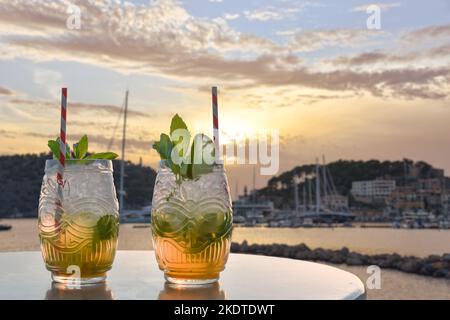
x=235, y=247
x=433, y=265
x=302, y=255
x=433, y=258
x=411, y=266
x=427, y=269
x=337, y=258
x=353, y=261
x=322, y=254
x=302, y=247
x=441, y=273
x=344, y=251
x=446, y=257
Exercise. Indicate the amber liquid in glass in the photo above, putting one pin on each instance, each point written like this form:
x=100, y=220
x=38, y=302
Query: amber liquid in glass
x=85, y=241
x=195, y=250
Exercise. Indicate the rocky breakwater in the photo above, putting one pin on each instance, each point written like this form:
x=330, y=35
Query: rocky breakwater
x=432, y=266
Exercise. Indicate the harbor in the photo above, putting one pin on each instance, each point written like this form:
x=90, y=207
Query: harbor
x=378, y=204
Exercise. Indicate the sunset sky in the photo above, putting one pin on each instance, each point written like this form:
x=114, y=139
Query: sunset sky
x=311, y=69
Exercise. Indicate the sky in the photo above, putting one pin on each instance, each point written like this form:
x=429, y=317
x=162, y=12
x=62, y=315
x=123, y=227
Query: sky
x=311, y=69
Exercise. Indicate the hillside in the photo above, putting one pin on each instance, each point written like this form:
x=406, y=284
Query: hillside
x=21, y=178
x=344, y=172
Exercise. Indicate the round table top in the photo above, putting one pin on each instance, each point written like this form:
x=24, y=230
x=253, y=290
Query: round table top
x=135, y=275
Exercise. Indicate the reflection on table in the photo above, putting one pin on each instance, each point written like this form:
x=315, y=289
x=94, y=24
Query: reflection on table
x=60, y=291
x=195, y=292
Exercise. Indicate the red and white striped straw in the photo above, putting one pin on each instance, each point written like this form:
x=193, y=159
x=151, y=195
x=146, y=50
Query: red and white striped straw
x=62, y=138
x=215, y=112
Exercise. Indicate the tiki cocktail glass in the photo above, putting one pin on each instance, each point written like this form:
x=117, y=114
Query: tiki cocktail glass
x=191, y=225
x=78, y=235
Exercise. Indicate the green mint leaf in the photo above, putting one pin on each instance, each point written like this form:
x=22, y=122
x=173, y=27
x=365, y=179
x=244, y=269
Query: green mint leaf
x=177, y=123
x=182, y=142
x=54, y=147
x=102, y=156
x=107, y=227
x=186, y=170
x=165, y=146
x=199, y=168
x=156, y=146
x=68, y=153
x=80, y=148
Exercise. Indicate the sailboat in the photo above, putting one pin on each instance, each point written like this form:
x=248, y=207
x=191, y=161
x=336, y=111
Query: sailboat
x=122, y=163
x=128, y=216
x=329, y=205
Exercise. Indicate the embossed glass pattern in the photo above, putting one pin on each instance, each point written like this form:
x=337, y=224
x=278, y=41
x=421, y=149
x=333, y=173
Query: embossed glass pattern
x=191, y=226
x=79, y=235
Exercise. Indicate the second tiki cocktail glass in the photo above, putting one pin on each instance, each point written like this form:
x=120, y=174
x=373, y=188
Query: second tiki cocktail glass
x=191, y=225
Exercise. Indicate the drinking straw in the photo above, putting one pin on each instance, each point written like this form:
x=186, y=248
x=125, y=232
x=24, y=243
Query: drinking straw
x=62, y=144
x=215, y=122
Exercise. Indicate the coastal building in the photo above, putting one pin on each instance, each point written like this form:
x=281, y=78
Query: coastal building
x=252, y=213
x=335, y=201
x=430, y=185
x=372, y=190
x=405, y=198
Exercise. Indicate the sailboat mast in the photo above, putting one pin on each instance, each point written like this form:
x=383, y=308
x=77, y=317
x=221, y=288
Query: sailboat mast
x=254, y=184
x=122, y=164
x=295, y=181
x=325, y=184
x=317, y=187
x=304, y=196
x=310, y=202
x=444, y=197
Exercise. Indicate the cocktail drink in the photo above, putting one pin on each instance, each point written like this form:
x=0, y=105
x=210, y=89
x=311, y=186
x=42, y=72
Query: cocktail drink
x=191, y=225
x=78, y=233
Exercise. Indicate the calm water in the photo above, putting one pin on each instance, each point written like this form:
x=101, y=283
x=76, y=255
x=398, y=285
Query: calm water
x=363, y=240
x=24, y=237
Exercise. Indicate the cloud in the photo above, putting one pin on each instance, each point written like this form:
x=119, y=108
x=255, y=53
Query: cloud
x=231, y=16
x=5, y=91
x=272, y=13
x=264, y=14
x=163, y=38
x=283, y=10
x=7, y=134
x=49, y=80
x=100, y=141
x=428, y=33
x=312, y=40
x=367, y=58
x=382, y=6
x=79, y=107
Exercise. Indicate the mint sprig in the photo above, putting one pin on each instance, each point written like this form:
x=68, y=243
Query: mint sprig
x=193, y=164
x=107, y=227
x=80, y=151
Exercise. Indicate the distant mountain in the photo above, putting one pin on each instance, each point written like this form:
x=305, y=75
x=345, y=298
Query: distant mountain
x=21, y=178
x=344, y=172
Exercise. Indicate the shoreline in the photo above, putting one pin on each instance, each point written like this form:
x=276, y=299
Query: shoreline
x=432, y=266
